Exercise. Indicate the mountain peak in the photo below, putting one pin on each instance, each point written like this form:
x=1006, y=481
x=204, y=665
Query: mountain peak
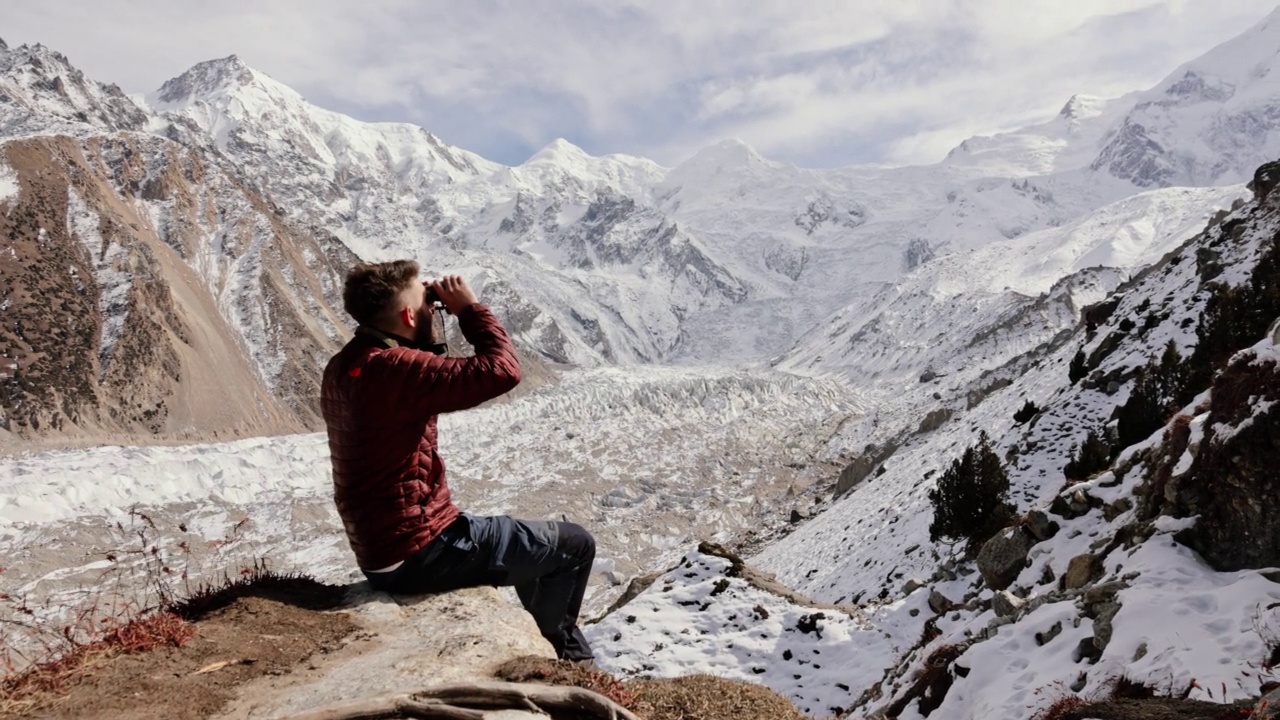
x=209, y=78
x=729, y=152
x=558, y=150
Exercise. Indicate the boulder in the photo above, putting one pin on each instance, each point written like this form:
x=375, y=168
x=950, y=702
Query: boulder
x=940, y=603
x=1106, y=612
x=1073, y=505
x=1265, y=179
x=1268, y=707
x=858, y=470
x=1044, y=636
x=1103, y=592
x=410, y=642
x=1041, y=526
x=1003, y=557
x=1082, y=570
x=1047, y=575
x=1230, y=484
x=1087, y=651
x=934, y=420
x=912, y=585
x=1006, y=604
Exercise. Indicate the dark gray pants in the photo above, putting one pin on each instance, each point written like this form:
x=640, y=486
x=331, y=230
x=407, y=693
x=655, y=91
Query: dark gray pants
x=548, y=562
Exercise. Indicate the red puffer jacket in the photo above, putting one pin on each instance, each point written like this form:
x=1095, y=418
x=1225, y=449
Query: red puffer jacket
x=380, y=403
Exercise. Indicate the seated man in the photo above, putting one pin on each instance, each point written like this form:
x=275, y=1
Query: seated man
x=380, y=398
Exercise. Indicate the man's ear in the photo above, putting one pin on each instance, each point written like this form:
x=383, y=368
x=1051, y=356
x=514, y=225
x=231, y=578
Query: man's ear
x=409, y=317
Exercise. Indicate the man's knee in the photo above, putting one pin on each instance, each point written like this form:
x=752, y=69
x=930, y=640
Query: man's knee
x=576, y=541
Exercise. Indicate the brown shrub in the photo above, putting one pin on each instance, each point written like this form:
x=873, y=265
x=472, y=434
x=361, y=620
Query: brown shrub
x=51, y=675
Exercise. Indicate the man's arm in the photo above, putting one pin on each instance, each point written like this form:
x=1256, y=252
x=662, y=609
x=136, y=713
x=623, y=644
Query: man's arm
x=435, y=384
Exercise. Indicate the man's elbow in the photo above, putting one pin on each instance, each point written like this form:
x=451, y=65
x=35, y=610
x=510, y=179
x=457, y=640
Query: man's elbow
x=509, y=377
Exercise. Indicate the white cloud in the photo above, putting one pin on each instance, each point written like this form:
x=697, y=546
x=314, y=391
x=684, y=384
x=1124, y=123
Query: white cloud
x=823, y=82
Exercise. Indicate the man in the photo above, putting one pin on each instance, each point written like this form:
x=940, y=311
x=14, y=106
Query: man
x=380, y=398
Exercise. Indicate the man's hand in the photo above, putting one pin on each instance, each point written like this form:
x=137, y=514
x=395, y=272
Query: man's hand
x=454, y=293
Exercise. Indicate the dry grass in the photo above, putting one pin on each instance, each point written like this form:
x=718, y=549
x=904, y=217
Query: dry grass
x=50, y=675
x=1062, y=707
x=143, y=601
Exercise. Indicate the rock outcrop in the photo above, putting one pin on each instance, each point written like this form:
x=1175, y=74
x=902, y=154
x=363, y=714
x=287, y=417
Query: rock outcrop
x=1229, y=483
x=406, y=644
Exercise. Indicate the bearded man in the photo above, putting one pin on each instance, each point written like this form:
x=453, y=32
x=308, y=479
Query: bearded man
x=381, y=396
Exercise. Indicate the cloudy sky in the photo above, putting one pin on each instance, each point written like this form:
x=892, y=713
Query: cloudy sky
x=819, y=83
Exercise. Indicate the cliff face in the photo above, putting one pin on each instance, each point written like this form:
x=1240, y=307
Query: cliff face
x=146, y=291
x=1221, y=466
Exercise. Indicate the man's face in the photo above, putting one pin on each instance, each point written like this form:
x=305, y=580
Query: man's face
x=424, y=332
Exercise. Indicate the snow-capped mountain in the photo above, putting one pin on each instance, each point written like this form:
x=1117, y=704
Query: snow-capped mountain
x=45, y=94
x=146, y=287
x=727, y=258
x=1209, y=122
x=173, y=262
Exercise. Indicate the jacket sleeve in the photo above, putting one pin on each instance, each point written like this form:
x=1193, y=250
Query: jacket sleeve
x=433, y=384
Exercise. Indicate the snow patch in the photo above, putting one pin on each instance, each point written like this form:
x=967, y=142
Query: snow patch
x=110, y=270
x=8, y=184
x=698, y=618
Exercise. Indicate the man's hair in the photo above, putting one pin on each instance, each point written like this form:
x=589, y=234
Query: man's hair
x=372, y=288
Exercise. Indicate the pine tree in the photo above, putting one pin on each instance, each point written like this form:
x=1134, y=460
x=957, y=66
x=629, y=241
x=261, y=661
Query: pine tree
x=971, y=501
x=1093, y=455
x=1143, y=413
x=1173, y=380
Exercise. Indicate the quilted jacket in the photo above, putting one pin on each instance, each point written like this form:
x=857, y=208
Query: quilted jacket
x=380, y=400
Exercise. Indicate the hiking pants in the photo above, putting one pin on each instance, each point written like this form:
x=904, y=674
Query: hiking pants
x=548, y=562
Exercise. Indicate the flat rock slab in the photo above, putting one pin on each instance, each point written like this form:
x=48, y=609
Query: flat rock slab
x=404, y=644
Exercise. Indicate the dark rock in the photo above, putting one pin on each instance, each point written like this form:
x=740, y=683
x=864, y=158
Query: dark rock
x=1003, y=557
x=862, y=466
x=1087, y=651
x=1268, y=707
x=912, y=585
x=1103, y=592
x=1265, y=179
x=934, y=420
x=799, y=514
x=1047, y=576
x=1043, y=638
x=1230, y=484
x=1041, y=526
x=1082, y=570
x=940, y=603
x=1111, y=511
x=1006, y=604
x=1102, y=624
x=975, y=397
x=1073, y=505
